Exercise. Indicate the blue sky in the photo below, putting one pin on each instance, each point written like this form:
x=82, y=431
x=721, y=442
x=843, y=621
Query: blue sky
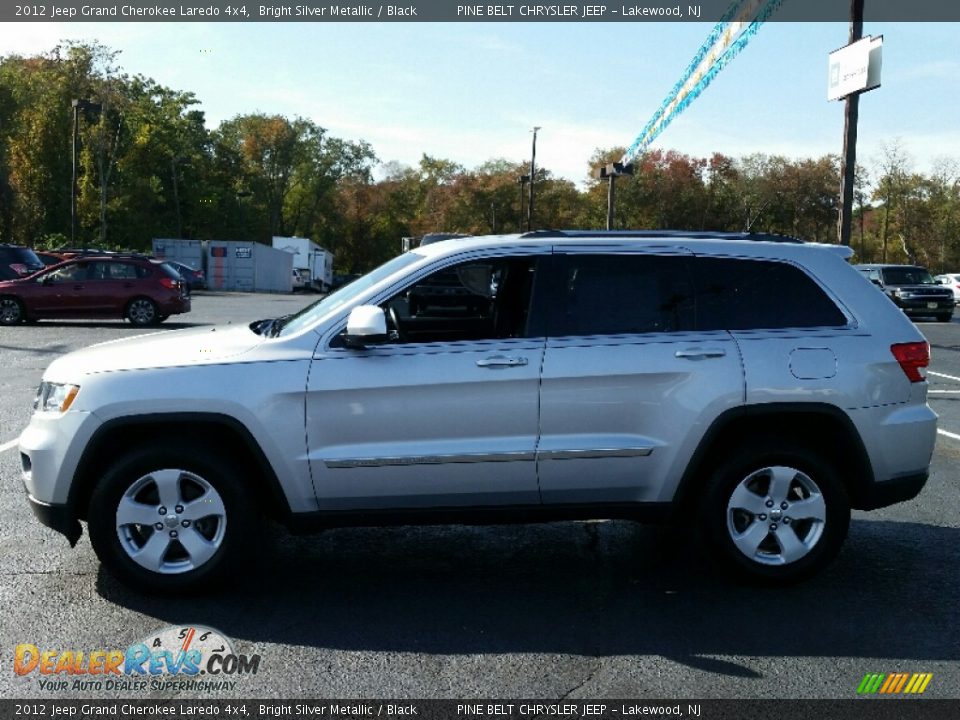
x=470, y=92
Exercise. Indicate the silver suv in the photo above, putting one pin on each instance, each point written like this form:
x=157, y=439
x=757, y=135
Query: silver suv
x=753, y=387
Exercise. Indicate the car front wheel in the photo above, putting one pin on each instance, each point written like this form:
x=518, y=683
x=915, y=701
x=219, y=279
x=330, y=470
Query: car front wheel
x=170, y=520
x=778, y=515
x=11, y=311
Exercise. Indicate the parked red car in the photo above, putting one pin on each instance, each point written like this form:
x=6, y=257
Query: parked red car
x=143, y=291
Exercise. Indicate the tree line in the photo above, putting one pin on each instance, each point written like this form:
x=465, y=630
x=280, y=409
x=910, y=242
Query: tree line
x=149, y=167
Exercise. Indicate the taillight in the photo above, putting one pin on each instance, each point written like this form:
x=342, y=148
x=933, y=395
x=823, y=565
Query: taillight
x=169, y=283
x=912, y=357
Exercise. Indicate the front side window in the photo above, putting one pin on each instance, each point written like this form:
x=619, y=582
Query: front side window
x=477, y=300
x=75, y=272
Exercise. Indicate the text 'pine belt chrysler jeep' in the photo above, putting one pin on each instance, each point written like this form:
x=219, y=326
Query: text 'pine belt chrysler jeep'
x=755, y=387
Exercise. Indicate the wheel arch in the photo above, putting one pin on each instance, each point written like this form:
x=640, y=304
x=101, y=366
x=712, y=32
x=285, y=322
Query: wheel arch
x=215, y=430
x=823, y=426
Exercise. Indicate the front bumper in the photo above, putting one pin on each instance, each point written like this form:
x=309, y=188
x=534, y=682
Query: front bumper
x=921, y=306
x=57, y=517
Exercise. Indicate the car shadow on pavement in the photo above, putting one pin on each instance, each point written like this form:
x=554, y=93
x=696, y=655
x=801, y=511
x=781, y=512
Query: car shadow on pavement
x=591, y=589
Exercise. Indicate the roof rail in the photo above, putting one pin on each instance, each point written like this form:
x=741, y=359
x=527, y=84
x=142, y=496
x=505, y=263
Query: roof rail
x=685, y=234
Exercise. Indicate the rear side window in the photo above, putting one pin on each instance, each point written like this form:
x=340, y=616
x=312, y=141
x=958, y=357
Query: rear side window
x=623, y=294
x=759, y=295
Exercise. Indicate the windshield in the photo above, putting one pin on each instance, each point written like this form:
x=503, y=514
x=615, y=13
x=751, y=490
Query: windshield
x=312, y=313
x=907, y=276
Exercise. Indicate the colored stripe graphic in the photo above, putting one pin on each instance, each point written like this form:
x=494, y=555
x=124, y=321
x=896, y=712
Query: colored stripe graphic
x=739, y=24
x=894, y=683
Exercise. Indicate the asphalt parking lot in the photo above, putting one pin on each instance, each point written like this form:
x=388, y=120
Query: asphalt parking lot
x=579, y=610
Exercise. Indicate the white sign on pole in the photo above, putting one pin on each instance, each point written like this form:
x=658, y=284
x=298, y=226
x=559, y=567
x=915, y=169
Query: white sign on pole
x=855, y=68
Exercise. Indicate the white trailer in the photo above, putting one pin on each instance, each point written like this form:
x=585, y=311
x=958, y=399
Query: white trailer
x=312, y=262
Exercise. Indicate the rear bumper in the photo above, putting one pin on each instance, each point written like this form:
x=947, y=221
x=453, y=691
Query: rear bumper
x=881, y=494
x=58, y=517
x=176, y=306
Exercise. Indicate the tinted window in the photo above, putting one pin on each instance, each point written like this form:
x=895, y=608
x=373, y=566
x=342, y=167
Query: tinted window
x=759, y=294
x=623, y=294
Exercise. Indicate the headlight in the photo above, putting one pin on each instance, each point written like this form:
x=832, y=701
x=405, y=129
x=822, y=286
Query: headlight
x=55, y=397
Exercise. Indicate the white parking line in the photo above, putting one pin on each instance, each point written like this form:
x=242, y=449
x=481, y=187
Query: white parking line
x=8, y=445
x=952, y=436
x=948, y=377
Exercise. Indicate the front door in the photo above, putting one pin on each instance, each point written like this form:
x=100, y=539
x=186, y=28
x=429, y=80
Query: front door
x=446, y=413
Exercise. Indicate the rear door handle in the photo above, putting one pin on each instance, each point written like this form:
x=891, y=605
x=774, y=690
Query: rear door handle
x=699, y=353
x=502, y=361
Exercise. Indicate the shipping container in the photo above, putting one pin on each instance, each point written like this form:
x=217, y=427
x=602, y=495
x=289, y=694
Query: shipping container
x=248, y=267
x=188, y=252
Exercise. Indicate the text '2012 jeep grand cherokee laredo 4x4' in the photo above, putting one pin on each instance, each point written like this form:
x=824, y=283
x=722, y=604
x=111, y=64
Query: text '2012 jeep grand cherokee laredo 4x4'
x=754, y=387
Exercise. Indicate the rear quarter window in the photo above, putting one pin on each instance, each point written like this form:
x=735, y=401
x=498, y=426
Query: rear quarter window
x=740, y=294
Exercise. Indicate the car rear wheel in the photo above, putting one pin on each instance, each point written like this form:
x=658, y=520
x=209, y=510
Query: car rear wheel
x=170, y=520
x=143, y=312
x=11, y=311
x=777, y=514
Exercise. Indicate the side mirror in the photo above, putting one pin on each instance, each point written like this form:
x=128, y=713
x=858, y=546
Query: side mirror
x=366, y=325
x=876, y=282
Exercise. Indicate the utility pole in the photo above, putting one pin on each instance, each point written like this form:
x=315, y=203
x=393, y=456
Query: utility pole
x=77, y=106
x=522, y=181
x=850, y=118
x=533, y=176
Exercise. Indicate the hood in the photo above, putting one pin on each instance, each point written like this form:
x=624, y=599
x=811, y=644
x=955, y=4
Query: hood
x=177, y=348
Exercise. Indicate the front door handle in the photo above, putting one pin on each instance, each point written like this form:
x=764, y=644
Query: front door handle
x=699, y=353
x=502, y=361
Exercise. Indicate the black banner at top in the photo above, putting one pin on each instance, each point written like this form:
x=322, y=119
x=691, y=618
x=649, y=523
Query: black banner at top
x=334, y=11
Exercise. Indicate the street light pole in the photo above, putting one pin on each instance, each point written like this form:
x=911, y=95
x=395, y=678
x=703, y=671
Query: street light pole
x=610, y=173
x=533, y=170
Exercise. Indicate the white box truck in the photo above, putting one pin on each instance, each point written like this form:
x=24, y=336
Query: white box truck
x=311, y=263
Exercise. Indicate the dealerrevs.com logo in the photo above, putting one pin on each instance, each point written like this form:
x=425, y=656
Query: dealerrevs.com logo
x=192, y=657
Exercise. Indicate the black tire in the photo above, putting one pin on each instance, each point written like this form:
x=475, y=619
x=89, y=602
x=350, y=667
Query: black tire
x=142, y=312
x=11, y=311
x=945, y=317
x=768, y=533
x=185, y=558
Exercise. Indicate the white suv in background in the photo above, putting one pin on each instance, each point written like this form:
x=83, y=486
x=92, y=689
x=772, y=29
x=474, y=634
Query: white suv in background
x=754, y=387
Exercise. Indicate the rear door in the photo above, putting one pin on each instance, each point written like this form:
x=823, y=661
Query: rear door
x=628, y=385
